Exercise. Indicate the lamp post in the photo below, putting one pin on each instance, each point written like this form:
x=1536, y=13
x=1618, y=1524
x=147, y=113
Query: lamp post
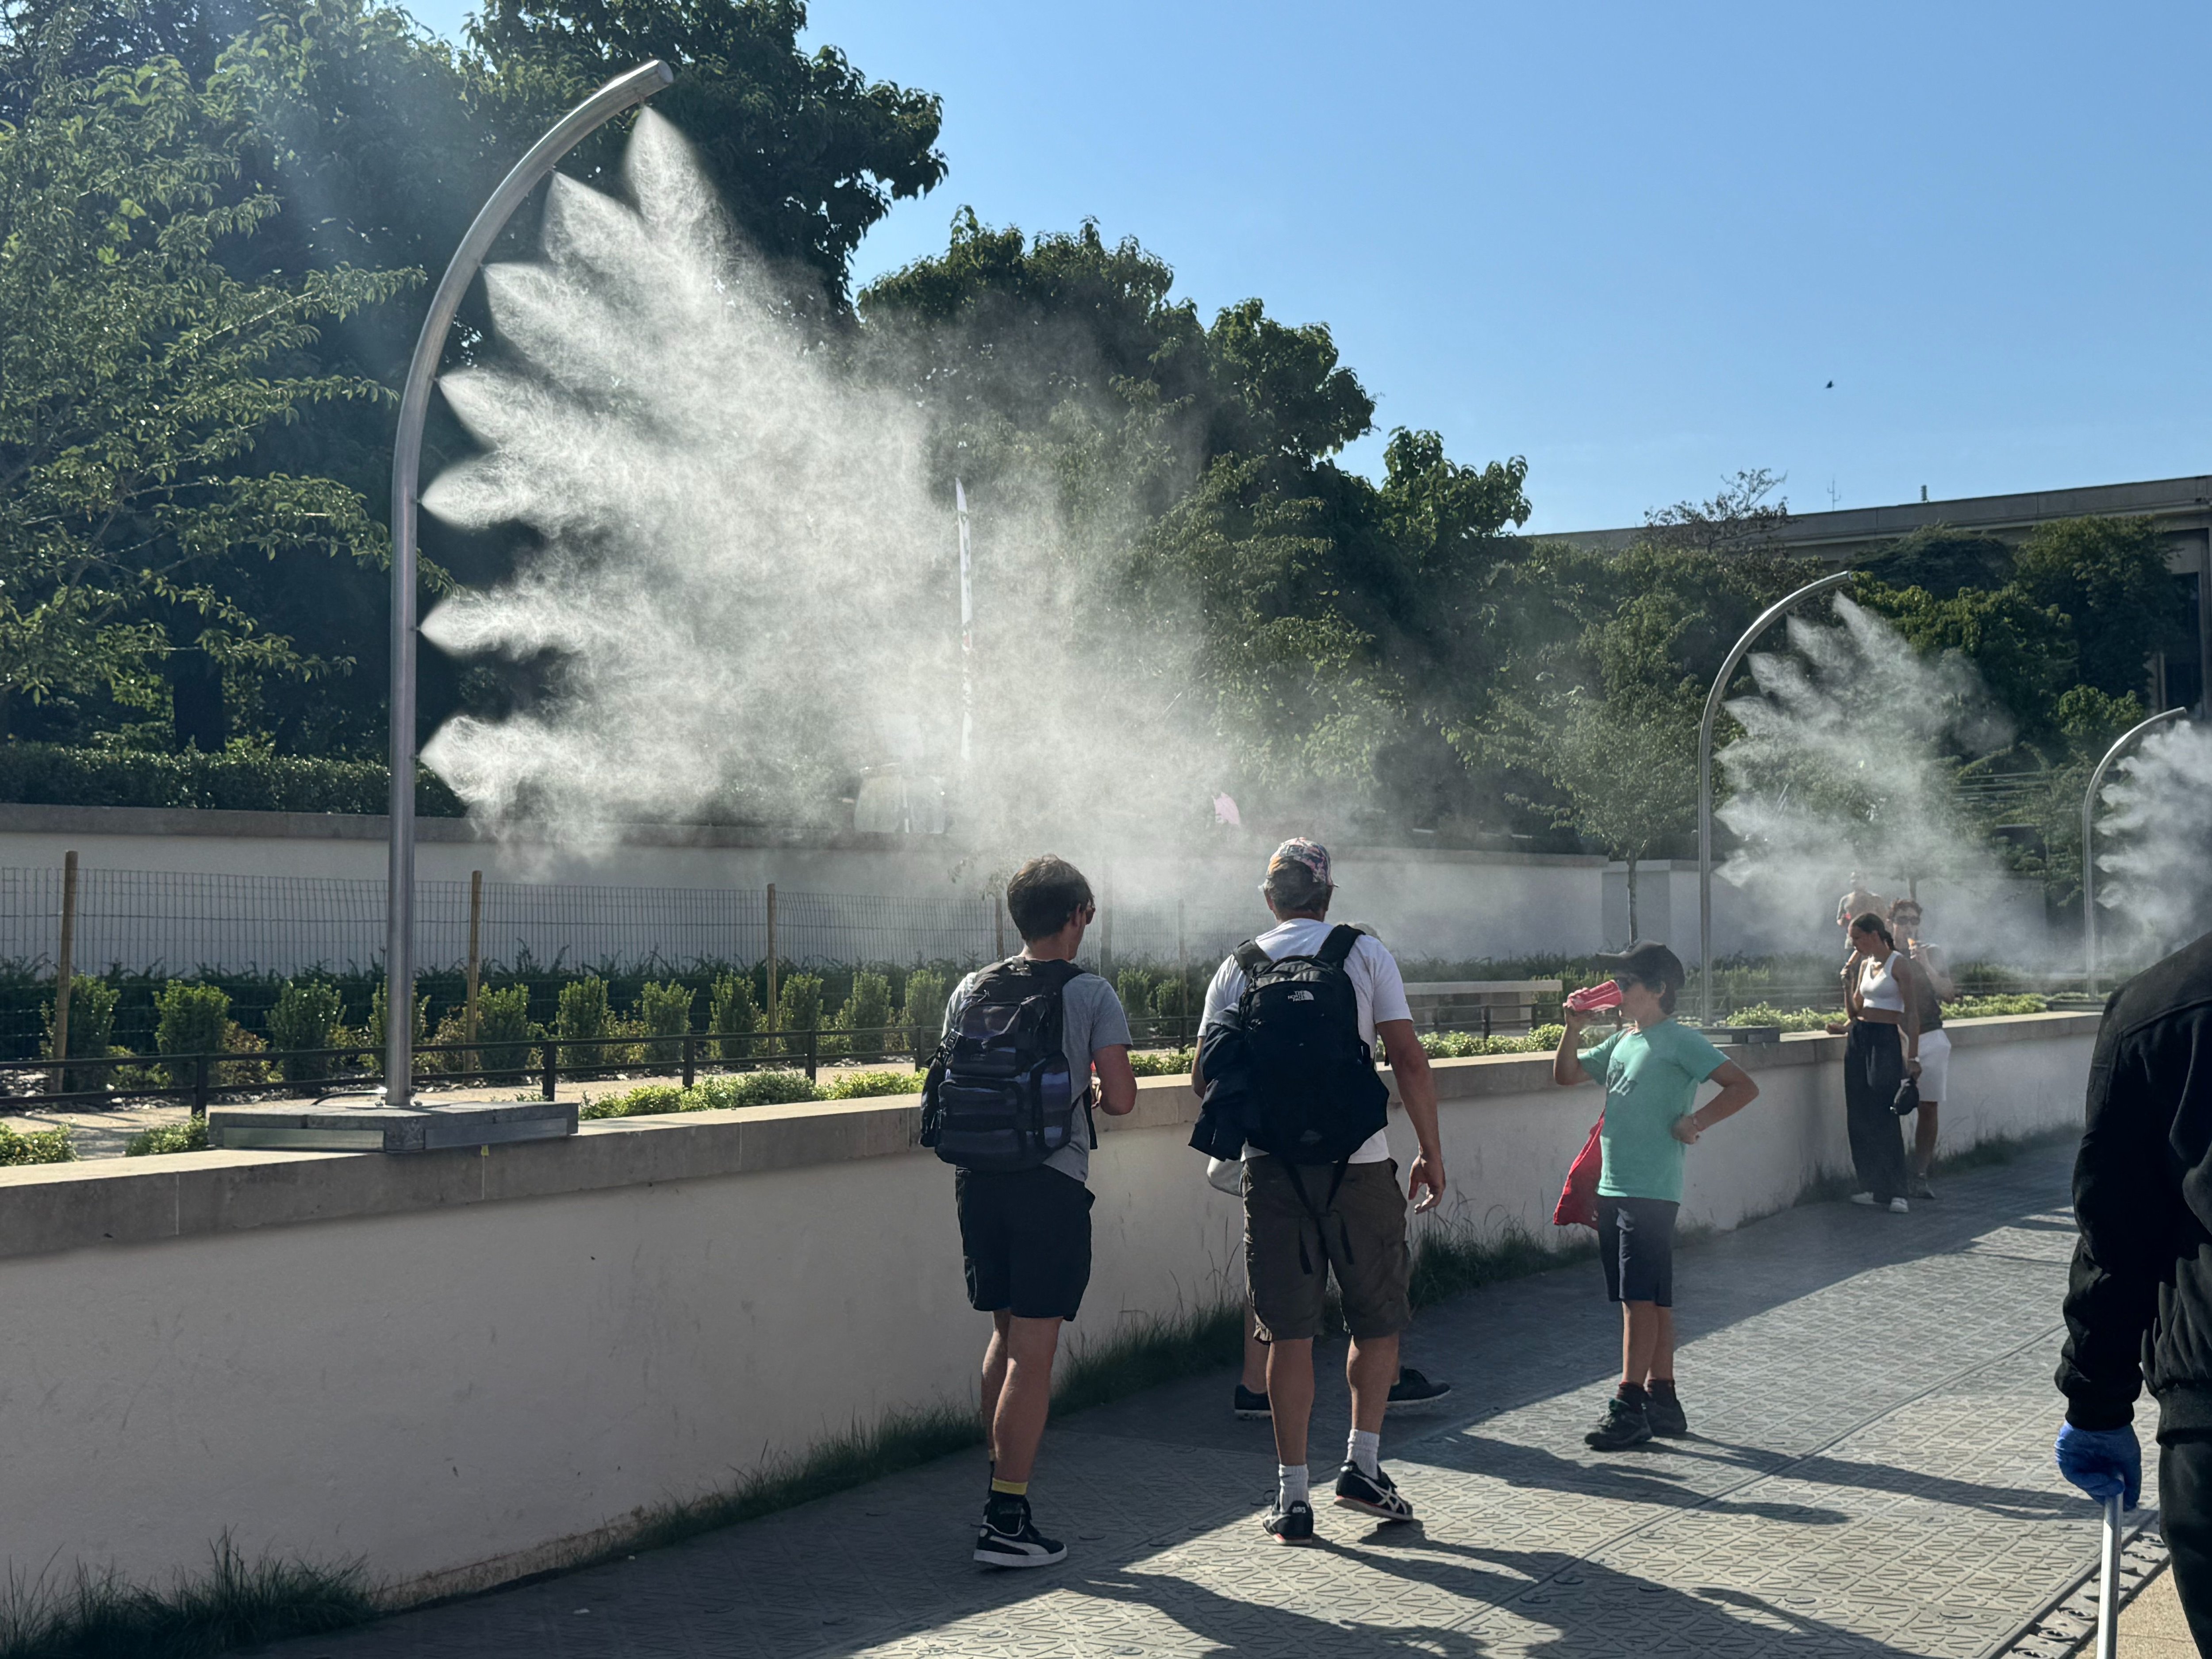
x=602, y=107
x=2088, y=849
x=1767, y=618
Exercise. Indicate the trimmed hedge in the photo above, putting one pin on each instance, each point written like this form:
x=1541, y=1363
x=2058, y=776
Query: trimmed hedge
x=55, y=775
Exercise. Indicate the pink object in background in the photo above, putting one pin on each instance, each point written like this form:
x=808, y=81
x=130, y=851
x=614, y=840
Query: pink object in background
x=1225, y=811
x=1591, y=998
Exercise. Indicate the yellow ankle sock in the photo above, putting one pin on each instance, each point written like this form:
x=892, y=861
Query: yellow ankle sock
x=1012, y=1488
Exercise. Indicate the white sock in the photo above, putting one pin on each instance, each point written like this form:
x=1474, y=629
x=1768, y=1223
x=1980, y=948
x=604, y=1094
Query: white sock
x=1364, y=1451
x=1292, y=1484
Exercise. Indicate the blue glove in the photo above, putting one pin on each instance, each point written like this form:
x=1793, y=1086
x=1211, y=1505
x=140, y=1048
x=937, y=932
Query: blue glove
x=2103, y=1462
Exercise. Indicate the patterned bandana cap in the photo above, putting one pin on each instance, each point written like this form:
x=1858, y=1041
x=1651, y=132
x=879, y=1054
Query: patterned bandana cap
x=1309, y=855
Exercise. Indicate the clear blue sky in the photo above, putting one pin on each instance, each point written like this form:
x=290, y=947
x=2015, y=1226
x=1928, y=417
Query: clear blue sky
x=1632, y=242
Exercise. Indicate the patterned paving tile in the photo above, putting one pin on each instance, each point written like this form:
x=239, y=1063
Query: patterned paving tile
x=1868, y=1475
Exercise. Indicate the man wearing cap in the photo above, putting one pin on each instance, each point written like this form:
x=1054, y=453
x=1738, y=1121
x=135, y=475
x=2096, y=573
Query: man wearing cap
x=1651, y=1067
x=1360, y=1232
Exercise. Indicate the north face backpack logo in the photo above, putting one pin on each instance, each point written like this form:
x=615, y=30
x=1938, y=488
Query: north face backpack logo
x=1301, y=996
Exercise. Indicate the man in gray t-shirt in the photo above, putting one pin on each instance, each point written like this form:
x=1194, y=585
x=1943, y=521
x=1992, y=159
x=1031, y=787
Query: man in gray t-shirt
x=1025, y=1234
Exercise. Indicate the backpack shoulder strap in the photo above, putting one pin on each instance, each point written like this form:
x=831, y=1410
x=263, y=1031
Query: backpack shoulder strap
x=1251, y=959
x=1342, y=940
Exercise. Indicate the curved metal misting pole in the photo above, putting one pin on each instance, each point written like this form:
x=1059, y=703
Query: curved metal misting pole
x=2088, y=846
x=602, y=107
x=1767, y=618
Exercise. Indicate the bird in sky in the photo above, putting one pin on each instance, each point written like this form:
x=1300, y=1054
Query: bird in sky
x=1831, y=386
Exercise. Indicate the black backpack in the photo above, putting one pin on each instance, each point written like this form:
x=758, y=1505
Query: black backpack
x=999, y=1097
x=1313, y=1094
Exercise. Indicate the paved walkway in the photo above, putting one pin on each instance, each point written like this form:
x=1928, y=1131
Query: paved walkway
x=1872, y=1409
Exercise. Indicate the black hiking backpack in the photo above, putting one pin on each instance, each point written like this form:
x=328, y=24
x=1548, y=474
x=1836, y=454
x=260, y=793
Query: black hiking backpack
x=1313, y=1095
x=999, y=1097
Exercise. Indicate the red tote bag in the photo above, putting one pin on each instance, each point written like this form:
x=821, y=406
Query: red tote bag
x=1578, y=1205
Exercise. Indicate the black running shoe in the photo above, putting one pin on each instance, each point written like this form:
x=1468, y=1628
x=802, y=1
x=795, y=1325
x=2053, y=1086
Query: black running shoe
x=1008, y=1539
x=1252, y=1408
x=1293, y=1525
x=1371, y=1494
x=1623, y=1424
x=1664, y=1412
x=1412, y=1392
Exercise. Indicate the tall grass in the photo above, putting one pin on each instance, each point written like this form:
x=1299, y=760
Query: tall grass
x=234, y=1603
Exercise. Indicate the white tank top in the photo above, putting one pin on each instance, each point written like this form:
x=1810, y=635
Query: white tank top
x=1878, y=986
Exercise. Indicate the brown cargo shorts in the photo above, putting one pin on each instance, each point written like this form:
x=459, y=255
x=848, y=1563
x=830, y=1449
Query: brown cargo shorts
x=1362, y=1241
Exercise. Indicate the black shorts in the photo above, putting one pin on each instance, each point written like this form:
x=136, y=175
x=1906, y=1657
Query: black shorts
x=1636, y=1243
x=1026, y=1237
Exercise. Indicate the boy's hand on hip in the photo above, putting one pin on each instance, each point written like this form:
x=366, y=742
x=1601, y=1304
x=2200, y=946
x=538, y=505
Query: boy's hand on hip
x=1685, y=1129
x=1428, y=1174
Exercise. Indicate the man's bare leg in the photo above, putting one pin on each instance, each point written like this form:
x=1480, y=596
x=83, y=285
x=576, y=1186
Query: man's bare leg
x=1018, y=1406
x=1256, y=1356
x=1290, y=1395
x=1371, y=1366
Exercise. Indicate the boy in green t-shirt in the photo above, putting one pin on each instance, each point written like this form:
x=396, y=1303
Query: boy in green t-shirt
x=1652, y=1067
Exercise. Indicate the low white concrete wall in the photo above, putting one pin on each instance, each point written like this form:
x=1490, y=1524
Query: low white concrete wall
x=462, y=1368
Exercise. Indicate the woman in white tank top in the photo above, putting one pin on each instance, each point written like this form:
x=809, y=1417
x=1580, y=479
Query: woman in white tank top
x=1882, y=1050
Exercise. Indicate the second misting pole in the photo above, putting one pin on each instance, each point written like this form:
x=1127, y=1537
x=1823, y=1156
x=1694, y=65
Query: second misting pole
x=65, y=969
x=967, y=630
x=2089, y=844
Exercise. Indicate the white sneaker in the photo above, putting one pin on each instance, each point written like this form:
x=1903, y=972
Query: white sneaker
x=1898, y=1206
x=1862, y=1198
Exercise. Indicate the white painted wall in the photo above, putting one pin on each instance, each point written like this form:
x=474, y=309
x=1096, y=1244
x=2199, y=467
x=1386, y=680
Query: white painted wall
x=456, y=1393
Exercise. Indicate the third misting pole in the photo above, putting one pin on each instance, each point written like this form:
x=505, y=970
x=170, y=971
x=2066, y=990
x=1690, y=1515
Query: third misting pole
x=475, y=951
x=1767, y=618
x=772, y=1004
x=2089, y=841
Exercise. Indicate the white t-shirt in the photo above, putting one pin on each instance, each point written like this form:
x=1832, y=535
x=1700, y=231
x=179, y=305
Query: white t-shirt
x=1376, y=982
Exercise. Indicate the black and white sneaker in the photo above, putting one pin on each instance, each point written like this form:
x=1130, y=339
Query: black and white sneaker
x=1623, y=1424
x=1289, y=1525
x=1253, y=1407
x=1371, y=1494
x=1009, y=1539
x=1413, y=1392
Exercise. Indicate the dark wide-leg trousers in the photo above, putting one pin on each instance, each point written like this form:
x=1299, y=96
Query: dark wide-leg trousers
x=2184, y=1515
x=1873, y=1065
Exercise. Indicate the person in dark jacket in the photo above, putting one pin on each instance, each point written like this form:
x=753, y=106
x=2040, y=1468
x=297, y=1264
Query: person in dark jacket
x=2139, y=1296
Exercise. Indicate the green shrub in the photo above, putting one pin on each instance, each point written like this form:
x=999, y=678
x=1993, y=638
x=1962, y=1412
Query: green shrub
x=305, y=1015
x=376, y=1028
x=1165, y=1062
x=504, y=1030
x=1789, y=1020
x=1133, y=986
x=582, y=1014
x=60, y=775
x=35, y=1146
x=733, y=1016
x=190, y=1018
x=92, y=1031
x=798, y=1008
x=923, y=1011
x=1991, y=1006
x=1170, y=998
x=863, y=1085
x=710, y=1094
x=865, y=1013
x=189, y=1136
x=664, y=1010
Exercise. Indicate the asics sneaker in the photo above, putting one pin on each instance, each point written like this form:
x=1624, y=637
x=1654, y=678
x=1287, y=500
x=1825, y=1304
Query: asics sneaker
x=1289, y=1525
x=1371, y=1494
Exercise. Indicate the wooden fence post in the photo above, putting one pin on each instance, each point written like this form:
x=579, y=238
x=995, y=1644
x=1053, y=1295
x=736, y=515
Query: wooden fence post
x=773, y=1010
x=65, y=969
x=476, y=954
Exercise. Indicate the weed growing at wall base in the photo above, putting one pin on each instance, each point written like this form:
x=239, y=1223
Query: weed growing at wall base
x=235, y=1603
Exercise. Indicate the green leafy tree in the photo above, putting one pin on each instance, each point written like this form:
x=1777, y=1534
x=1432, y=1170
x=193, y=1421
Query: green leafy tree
x=190, y=1018
x=136, y=376
x=92, y=1031
x=923, y=1011
x=865, y=1013
x=664, y=1009
x=505, y=1030
x=305, y=1015
x=2109, y=577
x=805, y=151
x=800, y=1006
x=733, y=1015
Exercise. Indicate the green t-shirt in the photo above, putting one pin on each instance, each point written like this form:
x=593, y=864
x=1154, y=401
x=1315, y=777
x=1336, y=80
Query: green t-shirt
x=1651, y=1078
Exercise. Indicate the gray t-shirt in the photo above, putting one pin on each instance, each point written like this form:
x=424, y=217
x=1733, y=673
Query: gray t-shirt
x=1090, y=1018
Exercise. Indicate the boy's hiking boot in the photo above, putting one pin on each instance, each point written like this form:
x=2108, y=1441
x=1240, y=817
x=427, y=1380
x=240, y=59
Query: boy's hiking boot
x=1371, y=1494
x=1289, y=1524
x=1413, y=1392
x=1009, y=1539
x=1626, y=1423
x=1664, y=1414
x=1252, y=1408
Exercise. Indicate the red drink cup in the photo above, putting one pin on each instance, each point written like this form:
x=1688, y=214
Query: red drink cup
x=1591, y=998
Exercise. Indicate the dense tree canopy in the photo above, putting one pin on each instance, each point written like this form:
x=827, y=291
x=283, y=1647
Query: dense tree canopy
x=216, y=224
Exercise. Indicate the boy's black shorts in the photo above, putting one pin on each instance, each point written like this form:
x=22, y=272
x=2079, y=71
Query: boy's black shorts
x=1027, y=1240
x=1636, y=1243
